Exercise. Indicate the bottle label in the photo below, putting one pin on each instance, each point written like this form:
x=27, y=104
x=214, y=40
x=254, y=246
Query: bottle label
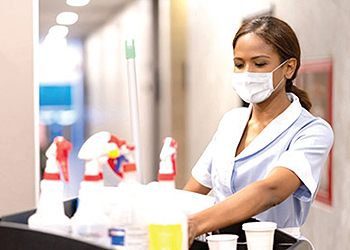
x=165, y=237
x=117, y=236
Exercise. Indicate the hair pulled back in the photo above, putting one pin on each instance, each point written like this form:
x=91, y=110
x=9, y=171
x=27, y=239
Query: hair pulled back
x=283, y=40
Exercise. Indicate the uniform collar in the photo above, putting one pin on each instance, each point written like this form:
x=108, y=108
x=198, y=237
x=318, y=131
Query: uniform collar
x=274, y=128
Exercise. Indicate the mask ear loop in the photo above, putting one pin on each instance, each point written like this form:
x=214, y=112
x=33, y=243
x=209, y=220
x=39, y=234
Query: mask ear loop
x=279, y=66
x=282, y=77
x=279, y=83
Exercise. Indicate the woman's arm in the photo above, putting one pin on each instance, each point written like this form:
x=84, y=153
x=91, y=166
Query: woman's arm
x=194, y=186
x=251, y=200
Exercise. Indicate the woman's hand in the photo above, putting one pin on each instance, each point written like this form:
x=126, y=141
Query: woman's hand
x=191, y=230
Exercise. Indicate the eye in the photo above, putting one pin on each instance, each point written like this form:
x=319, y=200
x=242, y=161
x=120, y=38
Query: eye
x=239, y=65
x=262, y=64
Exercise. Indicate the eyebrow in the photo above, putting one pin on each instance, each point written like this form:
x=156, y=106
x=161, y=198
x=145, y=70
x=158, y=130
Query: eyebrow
x=256, y=57
x=253, y=58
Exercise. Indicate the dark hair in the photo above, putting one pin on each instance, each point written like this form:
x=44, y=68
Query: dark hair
x=283, y=40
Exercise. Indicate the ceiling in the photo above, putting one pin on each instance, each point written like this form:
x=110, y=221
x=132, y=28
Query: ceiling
x=91, y=16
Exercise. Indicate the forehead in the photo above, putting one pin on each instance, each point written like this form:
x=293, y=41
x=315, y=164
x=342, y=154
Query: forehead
x=251, y=45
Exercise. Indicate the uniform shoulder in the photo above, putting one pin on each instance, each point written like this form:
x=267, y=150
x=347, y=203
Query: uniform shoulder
x=314, y=120
x=317, y=124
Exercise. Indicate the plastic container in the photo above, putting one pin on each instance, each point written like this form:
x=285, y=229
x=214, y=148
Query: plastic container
x=50, y=215
x=222, y=242
x=90, y=223
x=167, y=221
x=129, y=229
x=260, y=235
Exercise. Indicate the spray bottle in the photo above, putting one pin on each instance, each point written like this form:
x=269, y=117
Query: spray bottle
x=50, y=214
x=168, y=222
x=129, y=228
x=90, y=221
x=167, y=166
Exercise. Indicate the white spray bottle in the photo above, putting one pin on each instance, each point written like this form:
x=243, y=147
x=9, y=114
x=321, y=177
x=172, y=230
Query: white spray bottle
x=50, y=214
x=168, y=222
x=167, y=165
x=129, y=229
x=90, y=221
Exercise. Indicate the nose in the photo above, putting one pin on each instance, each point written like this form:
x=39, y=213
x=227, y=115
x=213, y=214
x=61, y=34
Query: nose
x=242, y=69
x=246, y=69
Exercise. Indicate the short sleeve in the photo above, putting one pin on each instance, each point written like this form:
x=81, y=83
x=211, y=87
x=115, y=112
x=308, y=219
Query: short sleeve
x=306, y=156
x=201, y=172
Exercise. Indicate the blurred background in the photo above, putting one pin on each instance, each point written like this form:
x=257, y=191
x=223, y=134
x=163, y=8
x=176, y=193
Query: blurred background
x=65, y=74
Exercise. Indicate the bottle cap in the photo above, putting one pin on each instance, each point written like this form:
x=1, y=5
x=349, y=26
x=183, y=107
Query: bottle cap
x=166, y=177
x=51, y=176
x=129, y=167
x=92, y=177
x=92, y=172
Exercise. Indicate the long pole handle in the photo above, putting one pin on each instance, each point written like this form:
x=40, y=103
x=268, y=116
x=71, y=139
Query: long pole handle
x=133, y=100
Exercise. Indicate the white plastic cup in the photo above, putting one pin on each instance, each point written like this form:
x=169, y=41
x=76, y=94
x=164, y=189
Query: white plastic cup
x=222, y=242
x=260, y=235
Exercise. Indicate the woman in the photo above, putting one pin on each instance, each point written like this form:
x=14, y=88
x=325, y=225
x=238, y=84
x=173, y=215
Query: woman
x=265, y=161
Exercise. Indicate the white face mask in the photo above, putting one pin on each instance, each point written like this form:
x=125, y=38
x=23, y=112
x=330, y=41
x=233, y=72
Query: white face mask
x=254, y=87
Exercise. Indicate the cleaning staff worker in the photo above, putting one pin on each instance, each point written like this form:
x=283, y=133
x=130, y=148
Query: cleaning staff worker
x=264, y=161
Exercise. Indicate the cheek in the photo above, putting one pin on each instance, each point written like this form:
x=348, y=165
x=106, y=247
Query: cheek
x=277, y=77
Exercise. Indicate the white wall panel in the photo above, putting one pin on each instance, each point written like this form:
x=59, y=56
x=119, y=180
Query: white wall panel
x=19, y=102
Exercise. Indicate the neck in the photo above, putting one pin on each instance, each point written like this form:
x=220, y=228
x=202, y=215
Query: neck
x=268, y=110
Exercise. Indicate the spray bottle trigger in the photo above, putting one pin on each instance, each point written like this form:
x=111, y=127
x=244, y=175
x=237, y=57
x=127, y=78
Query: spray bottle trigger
x=173, y=160
x=63, y=147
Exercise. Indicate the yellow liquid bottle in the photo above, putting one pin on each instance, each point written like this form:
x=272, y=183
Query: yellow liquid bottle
x=165, y=237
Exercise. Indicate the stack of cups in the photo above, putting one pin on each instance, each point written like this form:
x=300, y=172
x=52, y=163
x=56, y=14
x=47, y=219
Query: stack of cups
x=260, y=235
x=222, y=242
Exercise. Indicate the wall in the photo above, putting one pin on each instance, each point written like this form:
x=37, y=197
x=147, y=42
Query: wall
x=178, y=86
x=19, y=151
x=106, y=80
x=165, y=69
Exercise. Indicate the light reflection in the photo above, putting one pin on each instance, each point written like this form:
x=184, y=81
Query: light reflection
x=77, y=2
x=58, y=31
x=67, y=18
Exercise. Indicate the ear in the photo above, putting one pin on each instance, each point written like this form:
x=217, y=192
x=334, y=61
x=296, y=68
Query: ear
x=290, y=67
